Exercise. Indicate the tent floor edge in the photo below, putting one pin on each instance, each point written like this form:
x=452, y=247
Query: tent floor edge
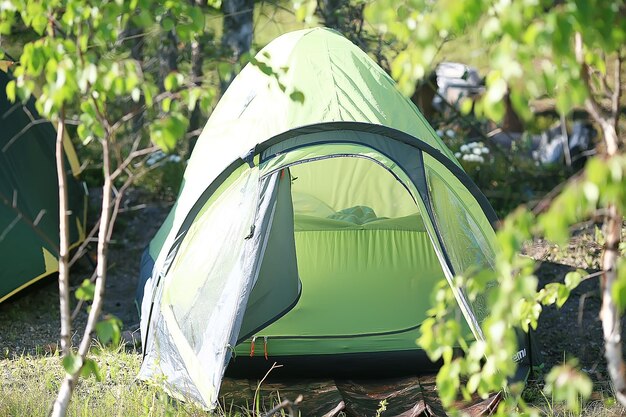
x=345, y=365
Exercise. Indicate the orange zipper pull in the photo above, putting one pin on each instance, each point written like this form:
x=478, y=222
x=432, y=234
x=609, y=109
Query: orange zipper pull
x=265, y=346
x=252, y=346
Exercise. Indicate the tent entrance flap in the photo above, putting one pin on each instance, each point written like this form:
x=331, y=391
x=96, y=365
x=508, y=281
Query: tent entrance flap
x=277, y=288
x=207, y=287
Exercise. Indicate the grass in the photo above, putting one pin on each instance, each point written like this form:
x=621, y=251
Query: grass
x=601, y=404
x=29, y=383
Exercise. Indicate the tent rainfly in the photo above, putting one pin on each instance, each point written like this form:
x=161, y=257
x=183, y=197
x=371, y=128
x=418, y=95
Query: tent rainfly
x=309, y=233
x=29, y=195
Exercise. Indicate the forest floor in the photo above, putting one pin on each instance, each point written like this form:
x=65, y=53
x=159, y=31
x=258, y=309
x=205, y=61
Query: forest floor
x=29, y=322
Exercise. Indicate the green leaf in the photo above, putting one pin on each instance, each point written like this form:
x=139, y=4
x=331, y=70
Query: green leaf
x=597, y=171
x=166, y=104
x=11, y=91
x=224, y=70
x=297, y=96
x=562, y=295
x=72, y=363
x=197, y=17
x=90, y=367
x=147, y=94
x=39, y=23
x=572, y=279
x=192, y=97
x=566, y=383
x=184, y=32
x=165, y=133
x=86, y=290
x=304, y=10
x=167, y=23
x=109, y=330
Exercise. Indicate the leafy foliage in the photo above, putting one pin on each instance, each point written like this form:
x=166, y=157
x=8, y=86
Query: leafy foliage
x=86, y=66
x=535, y=49
x=530, y=44
x=515, y=302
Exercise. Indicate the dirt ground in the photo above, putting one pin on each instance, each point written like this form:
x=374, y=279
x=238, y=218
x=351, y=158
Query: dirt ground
x=29, y=322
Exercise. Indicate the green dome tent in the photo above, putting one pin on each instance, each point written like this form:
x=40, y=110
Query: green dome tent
x=29, y=196
x=308, y=233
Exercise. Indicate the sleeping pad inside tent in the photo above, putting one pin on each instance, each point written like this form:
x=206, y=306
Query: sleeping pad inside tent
x=310, y=233
x=29, y=195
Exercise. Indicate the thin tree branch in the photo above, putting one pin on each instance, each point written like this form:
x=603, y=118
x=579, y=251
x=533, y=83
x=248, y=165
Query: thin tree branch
x=546, y=201
x=83, y=246
x=64, y=273
x=132, y=156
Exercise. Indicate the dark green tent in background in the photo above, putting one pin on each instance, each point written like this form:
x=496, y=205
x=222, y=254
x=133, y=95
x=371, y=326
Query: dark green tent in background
x=29, y=202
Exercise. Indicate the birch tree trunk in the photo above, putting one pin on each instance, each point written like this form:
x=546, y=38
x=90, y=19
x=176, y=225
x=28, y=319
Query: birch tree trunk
x=609, y=314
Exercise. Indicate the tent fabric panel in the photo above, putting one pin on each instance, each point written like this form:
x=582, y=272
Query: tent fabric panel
x=277, y=286
x=357, y=183
x=320, y=147
x=404, y=161
x=159, y=257
x=205, y=290
x=23, y=247
x=164, y=362
x=10, y=287
x=356, y=282
x=312, y=346
x=28, y=167
x=469, y=246
x=341, y=82
x=29, y=192
x=197, y=292
x=206, y=271
x=469, y=200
